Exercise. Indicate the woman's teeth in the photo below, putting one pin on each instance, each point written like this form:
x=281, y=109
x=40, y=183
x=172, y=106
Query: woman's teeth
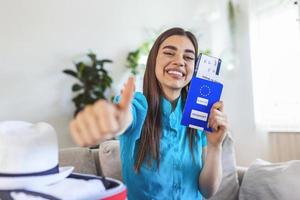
x=175, y=73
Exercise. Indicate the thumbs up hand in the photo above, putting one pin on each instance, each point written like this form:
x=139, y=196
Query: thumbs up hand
x=103, y=119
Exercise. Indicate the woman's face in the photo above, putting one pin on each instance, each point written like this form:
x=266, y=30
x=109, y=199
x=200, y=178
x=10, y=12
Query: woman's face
x=175, y=63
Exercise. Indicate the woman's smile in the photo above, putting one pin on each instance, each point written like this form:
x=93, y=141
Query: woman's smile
x=175, y=73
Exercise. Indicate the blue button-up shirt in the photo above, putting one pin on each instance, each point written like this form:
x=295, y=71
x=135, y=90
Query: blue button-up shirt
x=178, y=175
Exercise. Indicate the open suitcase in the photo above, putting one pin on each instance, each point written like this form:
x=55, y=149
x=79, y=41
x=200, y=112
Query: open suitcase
x=114, y=190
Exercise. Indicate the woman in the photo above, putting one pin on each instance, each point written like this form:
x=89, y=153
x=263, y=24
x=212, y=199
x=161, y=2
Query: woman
x=161, y=159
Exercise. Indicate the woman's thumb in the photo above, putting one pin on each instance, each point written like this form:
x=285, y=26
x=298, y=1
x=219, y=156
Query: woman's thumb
x=127, y=93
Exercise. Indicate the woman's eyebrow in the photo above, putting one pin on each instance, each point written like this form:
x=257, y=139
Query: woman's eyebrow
x=170, y=47
x=189, y=51
x=175, y=49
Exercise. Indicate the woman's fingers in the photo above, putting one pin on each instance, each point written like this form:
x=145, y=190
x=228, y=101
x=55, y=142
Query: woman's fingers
x=217, y=118
x=106, y=115
x=84, y=131
x=75, y=133
x=92, y=125
x=218, y=106
x=217, y=122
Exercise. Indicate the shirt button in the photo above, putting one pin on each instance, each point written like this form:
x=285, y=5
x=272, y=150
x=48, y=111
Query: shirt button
x=177, y=186
x=177, y=166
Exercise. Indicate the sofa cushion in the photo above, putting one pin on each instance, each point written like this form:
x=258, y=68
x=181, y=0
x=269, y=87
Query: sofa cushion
x=109, y=155
x=265, y=180
x=81, y=158
x=229, y=187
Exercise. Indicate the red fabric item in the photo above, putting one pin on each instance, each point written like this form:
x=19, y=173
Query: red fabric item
x=119, y=196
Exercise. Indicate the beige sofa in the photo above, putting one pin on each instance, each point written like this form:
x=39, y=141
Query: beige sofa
x=261, y=181
x=105, y=161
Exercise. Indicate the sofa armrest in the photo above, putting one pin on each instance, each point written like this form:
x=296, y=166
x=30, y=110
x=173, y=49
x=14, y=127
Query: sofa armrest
x=81, y=159
x=241, y=172
x=109, y=155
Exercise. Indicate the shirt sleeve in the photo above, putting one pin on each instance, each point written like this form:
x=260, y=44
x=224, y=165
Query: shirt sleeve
x=139, y=107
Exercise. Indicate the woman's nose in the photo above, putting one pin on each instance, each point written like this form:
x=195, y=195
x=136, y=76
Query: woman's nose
x=179, y=60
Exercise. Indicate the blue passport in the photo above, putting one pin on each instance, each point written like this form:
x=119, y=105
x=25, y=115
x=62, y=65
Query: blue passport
x=201, y=96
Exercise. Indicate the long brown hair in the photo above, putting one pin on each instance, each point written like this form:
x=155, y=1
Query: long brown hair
x=149, y=145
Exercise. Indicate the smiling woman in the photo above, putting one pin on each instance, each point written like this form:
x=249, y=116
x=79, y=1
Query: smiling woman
x=160, y=157
x=174, y=75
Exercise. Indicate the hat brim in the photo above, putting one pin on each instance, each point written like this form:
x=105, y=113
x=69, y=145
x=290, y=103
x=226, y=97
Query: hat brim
x=12, y=183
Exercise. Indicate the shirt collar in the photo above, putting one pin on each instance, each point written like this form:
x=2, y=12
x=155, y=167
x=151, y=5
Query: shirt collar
x=167, y=106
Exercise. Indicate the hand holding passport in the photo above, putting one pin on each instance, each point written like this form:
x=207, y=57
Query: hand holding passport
x=205, y=90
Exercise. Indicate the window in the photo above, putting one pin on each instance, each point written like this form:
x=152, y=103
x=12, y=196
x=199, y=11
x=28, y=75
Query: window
x=275, y=56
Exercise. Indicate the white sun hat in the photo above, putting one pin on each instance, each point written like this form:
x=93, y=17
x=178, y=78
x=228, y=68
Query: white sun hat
x=29, y=155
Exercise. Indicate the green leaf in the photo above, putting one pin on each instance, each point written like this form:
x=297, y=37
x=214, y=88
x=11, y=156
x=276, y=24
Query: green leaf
x=79, y=66
x=206, y=51
x=101, y=62
x=70, y=72
x=76, y=87
x=78, y=101
x=92, y=56
x=102, y=71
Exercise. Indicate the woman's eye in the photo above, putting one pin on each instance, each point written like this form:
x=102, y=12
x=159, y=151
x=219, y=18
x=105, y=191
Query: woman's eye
x=168, y=53
x=189, y=58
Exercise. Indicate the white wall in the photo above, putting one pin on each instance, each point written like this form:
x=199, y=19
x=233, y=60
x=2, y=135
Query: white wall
x=38, y=39
x=251, y=141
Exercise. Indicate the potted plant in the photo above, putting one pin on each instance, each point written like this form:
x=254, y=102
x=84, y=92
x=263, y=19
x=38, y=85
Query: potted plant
x=94, y=81
x=135, y=58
